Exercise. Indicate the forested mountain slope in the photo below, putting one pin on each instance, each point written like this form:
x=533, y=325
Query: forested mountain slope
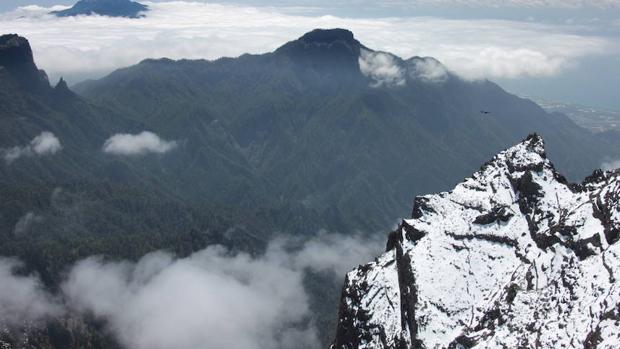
x=330, y=124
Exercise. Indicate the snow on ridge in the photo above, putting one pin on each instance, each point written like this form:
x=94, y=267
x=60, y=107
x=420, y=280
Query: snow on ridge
x=513, y=256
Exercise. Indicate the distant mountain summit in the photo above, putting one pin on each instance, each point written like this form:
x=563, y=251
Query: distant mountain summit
x=112, y=8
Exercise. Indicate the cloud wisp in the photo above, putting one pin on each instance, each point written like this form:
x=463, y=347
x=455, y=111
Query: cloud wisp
x=25, y=223
x=213, y=298
x=382, y=67
x=427, y=69
x=571, y=4
x=43, y=144
x=137, y=144
x=22, y=298
x=611, y=165
x=471, y=48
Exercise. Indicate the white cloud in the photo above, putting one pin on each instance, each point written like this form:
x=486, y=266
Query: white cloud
x=43, y=144
x=382, y=67
x=212, y=299
x=138, y=144
x=611, y=165
x=337, y=253
x=22, y=298
x=472, y=48
x=427, y=69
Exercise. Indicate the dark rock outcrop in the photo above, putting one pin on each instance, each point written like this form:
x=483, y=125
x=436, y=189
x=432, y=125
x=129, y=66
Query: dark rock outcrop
x=513, y=257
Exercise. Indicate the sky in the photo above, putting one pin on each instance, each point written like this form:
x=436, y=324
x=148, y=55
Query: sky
x=566, y=51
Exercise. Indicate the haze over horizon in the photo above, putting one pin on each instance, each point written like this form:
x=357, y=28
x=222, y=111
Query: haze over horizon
x=501, y=41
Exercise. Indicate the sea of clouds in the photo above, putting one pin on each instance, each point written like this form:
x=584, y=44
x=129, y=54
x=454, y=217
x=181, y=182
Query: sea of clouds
x=474, y=48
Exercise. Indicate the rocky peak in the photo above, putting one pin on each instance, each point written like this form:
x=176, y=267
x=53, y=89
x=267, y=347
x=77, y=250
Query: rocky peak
x=329, y=37
x=514, y=256
x=62, y=89
x=324, y=49
x=16, y=57
x=62, y=84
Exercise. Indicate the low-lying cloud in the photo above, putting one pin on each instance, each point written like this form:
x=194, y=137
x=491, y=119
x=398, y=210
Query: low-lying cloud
x=22, y=298
x=387, y=70
x=427, y=69
x=477, y=48
x=43, y=144
x=382, y=67
x=213, y=298
x=137, y=144
x=337, y=253
x=26, y=222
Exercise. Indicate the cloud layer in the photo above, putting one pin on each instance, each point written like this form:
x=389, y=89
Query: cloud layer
x=22, y=298
x=139, y=144
x=43, y=144
x=427, y=69
x=211, y=299
x=472, y=48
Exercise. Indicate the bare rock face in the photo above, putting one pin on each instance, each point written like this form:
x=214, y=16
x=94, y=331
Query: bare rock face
x=17, y=60
x=513, y=257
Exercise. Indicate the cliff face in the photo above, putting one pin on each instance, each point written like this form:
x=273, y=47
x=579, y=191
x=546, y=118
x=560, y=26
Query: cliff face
x=513, y=257
x=17, y=61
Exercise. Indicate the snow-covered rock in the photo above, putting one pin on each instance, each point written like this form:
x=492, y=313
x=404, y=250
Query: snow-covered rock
x=513, y=257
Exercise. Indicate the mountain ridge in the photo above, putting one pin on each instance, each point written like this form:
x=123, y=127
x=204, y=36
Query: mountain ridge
x=485, y=264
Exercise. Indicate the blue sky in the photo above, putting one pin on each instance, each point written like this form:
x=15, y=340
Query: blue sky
x=561, y=50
